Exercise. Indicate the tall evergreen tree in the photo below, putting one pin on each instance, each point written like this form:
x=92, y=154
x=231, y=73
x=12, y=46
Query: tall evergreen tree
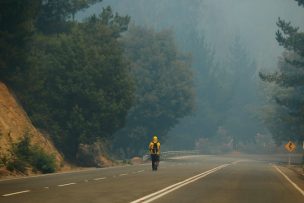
x=16, y=28
x=242, y=96
x=164, y=88
x=289, y=80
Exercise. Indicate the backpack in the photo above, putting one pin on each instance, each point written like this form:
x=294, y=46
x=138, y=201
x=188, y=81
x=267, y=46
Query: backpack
x=155, y=148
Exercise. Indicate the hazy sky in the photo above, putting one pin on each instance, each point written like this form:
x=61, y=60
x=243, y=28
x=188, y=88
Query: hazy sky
x=255, y=22
x=221, y=20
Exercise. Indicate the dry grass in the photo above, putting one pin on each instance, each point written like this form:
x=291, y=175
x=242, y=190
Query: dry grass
x=14, y=124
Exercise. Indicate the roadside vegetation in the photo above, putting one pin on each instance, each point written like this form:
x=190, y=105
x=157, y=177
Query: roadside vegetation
x=164, y=89
x=284, y=114
x=79, y=80
x=26, y=156
x=102, y=79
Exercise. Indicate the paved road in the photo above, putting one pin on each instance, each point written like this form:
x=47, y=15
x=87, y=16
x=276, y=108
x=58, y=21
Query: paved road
x=186, y=179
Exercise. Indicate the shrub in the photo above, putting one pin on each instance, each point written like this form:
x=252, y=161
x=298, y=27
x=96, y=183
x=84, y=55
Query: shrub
x=1, y=162
x=35, y=156
x=42, y=161
x=22, y=149
x=16, y=165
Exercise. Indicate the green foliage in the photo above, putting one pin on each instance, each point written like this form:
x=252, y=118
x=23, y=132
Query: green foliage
x=16, y=165
x=3, y=159
x=16, y=28
x=216, y=84
x=164, y=87
x=78, y=5
x=71, y=77
x=290, y=38
x=53, y=15
x=1, y=162
x=22, y=149
x=78, y=85
x=286, y=111
x=300, y=2
x=42, y=161
x=27, y=155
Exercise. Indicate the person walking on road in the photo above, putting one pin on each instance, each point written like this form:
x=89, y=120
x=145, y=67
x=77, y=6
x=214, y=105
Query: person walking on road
x=154, y=148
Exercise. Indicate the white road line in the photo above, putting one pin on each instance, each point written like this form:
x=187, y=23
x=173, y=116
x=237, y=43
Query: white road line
x=291, y=182
x=15, y=193
x=236, y=162
x=99, y=178
x=124, y=174
x=139, y=171
x=71, y=172
x=160, y=193
x=67, y=184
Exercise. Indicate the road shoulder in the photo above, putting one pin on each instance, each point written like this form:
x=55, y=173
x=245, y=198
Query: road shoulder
x=294, y=175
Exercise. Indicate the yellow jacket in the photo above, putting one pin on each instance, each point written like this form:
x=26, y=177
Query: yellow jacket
x=151, y=148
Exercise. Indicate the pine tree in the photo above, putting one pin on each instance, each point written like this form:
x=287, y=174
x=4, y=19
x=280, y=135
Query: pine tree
x=300, y=2
x=288, y=114
x=54, y=15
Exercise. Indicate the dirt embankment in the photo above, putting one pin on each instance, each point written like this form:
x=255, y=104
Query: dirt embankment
x=14, y=123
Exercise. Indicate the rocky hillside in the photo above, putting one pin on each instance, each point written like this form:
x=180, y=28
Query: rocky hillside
x=14, y=124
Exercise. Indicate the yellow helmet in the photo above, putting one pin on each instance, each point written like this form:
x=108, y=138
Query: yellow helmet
x=155, y=139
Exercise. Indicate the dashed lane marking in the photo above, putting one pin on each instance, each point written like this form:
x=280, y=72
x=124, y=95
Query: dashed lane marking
x=124, y=174
x=290, y=181
x=139, y=171
x=71, y=172
x=67, y=184
x=15, y=193
x=102, y=178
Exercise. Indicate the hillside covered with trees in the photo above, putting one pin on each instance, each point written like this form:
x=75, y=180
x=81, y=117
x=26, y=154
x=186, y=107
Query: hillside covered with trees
x=79, y=80
x=104, y=76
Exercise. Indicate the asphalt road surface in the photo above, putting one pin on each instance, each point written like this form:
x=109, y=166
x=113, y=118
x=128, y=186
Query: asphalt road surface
x=211, y=179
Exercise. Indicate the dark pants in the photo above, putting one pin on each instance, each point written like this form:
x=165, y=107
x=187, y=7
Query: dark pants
x=155, y=161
